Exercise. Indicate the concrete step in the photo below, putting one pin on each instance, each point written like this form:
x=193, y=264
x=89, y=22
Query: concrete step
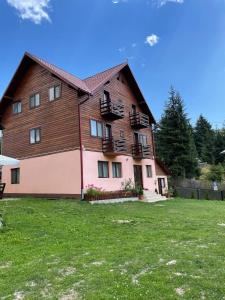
x=151, y=196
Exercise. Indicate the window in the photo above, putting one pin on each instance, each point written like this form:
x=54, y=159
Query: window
x=103, y=169
x=35, y=135
x=15, y=176
x=17, y=107
x=117, y=170
x=96, y=128
x=34, y=100
x=149, y=170
x=54, y=92
x=143, y=139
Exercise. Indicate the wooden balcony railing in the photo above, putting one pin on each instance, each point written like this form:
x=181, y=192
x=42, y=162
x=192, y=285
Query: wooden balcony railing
x=113, y=146
x=140, y=151
x=111, y=110
x=139, y=120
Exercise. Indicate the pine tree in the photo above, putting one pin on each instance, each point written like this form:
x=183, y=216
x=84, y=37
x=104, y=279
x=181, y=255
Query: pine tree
x=219, y=146
x=174, y=139
x=204, y=140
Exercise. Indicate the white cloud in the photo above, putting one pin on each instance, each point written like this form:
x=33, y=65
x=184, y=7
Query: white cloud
x=134, y=45
x=152, y=40
x=164, y=2
x=34, y=10
x=118, y=1
x=122, y=49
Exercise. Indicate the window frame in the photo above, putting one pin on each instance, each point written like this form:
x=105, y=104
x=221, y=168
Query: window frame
x=15, y=104
x=36, y=142
x=117, y=173
x=101, y=163
x=149, y=174
x=15, y=178
x=34, y=95
x=54, y=87
x=97, y=129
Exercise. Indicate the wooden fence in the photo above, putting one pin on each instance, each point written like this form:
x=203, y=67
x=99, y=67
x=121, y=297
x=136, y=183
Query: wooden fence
x=200, y=194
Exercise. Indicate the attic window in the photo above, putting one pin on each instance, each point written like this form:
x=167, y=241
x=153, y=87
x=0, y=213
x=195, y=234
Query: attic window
x=54, y=92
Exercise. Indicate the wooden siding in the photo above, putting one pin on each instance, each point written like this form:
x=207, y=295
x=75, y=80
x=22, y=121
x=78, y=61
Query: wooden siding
x=91, y=110
x=58, y=119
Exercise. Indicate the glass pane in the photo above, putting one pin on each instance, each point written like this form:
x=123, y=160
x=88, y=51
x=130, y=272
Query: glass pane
x=37, y=99
x=19, y=107
x=99, y=129
x=51, y=94
x=119, y=170
x=38, y=135
x=32, y=136
x=114, y=169
x=105, y=169
x=32, y=101
x=93, y=128
x=57, y=91
x=100, y=173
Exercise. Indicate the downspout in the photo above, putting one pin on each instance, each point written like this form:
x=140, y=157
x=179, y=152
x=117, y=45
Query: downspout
x=81, y=148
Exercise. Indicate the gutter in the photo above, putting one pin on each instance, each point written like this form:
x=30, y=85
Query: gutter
x=81, y=148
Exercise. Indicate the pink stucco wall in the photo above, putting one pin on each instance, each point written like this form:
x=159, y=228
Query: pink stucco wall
x=112, y=184
x=51, y=174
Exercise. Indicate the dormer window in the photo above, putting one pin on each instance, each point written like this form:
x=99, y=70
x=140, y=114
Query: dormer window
x=54, y=92
x=17, y=107
x=35, y=100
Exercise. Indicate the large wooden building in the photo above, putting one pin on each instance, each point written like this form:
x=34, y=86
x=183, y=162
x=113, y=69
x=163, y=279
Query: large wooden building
x=69, y=133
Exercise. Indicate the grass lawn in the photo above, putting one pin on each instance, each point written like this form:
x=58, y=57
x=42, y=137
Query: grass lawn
x=71, y=250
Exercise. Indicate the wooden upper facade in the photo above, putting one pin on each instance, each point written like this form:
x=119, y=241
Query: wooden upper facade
x=114, y=117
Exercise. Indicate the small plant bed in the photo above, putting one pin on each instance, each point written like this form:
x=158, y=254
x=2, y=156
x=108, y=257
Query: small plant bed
x=110, y=195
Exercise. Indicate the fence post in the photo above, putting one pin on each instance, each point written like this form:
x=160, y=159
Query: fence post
x=198, y=194
x=222, y=195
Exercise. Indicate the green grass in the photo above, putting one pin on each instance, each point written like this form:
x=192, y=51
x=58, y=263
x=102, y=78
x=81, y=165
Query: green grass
x=72, y=250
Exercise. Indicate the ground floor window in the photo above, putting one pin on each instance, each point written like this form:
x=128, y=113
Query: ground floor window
x=15, y=176
x=117, y=170
x=103, y=169
x=149, y=171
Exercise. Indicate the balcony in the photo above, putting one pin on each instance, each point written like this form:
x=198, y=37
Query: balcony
x=139, y=120
x=114, y=147
x=140, y=151
x=111, y=110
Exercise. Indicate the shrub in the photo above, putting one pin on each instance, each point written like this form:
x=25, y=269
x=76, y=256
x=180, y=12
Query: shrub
x=93, y=191
x=127, y=185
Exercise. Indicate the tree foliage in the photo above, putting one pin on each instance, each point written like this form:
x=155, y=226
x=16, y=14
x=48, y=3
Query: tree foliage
x=174, y=139
x=204, y=140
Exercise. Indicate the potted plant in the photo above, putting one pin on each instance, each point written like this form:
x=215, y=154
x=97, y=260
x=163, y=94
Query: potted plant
x=140, y=193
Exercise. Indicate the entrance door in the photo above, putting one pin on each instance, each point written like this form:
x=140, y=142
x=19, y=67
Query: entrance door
x=138, y=180
x=160, y=186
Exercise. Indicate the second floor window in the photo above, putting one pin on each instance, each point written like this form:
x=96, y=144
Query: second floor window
x=106, y=96
x=35, y=135
x=143, y=139
x=17, y=107
x=54, y=92
x=35, y=100
x=96, y=128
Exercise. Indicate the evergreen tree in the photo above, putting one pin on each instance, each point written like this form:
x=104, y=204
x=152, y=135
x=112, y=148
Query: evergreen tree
x=219, y=146
x=204, y=140
x=174, y=139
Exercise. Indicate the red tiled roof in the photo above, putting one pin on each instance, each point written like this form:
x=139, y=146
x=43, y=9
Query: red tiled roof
x=69, y=78
x=98, y=79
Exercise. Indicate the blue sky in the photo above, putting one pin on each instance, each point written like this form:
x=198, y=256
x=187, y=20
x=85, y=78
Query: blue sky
x=167, y=42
